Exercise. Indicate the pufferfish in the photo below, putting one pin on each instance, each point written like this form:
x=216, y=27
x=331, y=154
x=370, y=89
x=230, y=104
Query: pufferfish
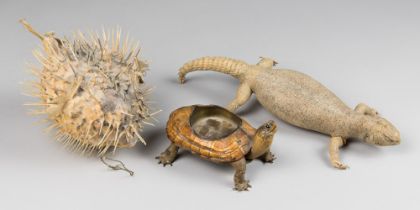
x=92, y=91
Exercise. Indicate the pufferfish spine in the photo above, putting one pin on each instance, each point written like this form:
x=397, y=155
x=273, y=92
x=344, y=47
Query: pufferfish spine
x=92, y=90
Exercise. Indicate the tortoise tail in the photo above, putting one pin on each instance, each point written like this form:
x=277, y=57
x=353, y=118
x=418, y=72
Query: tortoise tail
x=225, y=65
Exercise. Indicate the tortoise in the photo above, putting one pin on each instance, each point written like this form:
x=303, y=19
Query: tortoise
x=216, y=134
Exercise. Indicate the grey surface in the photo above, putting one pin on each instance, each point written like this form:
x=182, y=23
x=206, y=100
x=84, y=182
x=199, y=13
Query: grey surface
x=365, y=51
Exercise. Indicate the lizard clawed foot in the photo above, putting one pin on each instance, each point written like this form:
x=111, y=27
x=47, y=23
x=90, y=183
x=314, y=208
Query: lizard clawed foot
x=335, y=144
x=181, y=78
x=339, y=165
x=232, y=107
x=242, y=186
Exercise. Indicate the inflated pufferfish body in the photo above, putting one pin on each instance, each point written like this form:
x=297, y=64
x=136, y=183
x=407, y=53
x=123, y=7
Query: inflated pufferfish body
x=91, y=90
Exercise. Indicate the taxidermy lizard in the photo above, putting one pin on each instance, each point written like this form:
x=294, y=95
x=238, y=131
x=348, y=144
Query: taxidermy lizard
x=298, y=99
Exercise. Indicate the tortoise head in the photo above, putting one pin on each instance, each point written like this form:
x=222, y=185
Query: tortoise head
x=266, y=131
x=262, y=139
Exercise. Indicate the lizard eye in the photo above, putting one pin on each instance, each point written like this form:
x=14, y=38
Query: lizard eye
x=267, y=126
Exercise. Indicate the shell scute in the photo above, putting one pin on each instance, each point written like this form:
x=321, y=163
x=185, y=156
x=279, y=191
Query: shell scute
x=227, y=149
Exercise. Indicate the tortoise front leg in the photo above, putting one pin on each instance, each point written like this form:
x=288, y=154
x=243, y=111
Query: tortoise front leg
x=241, y=183
x=335, y=144
x=169, y=155
x=267, y=157
x=242, y=95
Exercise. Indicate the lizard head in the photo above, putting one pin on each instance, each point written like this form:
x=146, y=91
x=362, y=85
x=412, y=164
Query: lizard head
x=266, y=62
x=379, y=131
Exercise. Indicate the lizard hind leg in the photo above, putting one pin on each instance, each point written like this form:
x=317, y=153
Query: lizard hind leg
x=266, y=62
x=242, y=96
x=366, y=110
x=334, y=150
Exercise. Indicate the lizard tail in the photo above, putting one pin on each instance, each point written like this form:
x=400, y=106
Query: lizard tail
x=225, y=65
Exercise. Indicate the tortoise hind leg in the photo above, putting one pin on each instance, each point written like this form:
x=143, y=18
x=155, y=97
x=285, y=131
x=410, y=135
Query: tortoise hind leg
x=169, y=155
x=241, y=183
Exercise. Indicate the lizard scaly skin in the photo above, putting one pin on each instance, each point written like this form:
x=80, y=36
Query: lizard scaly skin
x=302, y=101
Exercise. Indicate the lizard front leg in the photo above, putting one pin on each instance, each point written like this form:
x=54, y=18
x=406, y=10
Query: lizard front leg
x=335, y=144
x=242, y=95
x=365, y=109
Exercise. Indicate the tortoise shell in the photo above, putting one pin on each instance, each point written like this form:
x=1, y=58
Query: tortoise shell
x=210, y=131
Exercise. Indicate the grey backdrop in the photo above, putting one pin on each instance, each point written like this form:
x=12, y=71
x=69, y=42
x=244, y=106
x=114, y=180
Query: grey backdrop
x=365, y=51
